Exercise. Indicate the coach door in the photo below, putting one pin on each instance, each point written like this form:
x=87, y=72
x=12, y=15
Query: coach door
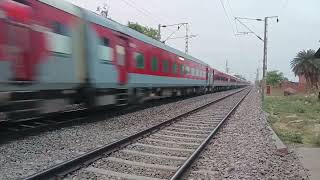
x=212, y=77
x=16, y=33
x=121, y=57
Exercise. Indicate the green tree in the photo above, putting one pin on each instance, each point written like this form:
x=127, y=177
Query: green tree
x=151, y=32
x=307, y=65
x=274, y=77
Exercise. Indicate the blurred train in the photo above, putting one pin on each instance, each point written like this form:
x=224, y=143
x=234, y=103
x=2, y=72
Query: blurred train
x=54, y=54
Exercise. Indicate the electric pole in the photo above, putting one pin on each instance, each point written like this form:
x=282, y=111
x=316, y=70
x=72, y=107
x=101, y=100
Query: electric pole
x=186, y=37
x=265, y=52
x=159, y=32
x=227, y=67
x=264, y=70
x=265, y=47
x=257, y=76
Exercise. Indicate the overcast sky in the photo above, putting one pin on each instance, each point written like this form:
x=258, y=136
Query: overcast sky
x=298, y=28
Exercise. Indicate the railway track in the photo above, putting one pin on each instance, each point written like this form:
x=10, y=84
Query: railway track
x=11, y=130
x=164, y=151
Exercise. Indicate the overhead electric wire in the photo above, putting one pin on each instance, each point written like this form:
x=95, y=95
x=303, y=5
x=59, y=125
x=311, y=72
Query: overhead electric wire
x=230, y=9
x=172, y=33
x=144, y=12
x=129, y=4
x=250, y=31
x=148, y=12
x=228, y=18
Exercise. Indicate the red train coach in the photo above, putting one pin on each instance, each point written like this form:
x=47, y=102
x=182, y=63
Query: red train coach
x=54, y=54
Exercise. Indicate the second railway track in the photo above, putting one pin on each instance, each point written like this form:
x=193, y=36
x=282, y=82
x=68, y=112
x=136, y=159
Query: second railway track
x=164, y=151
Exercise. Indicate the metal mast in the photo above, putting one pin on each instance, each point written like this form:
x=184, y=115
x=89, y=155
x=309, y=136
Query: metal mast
x=264, y=70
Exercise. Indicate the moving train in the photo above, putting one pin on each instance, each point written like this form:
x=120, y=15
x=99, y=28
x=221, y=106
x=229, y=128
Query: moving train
x=54, y=54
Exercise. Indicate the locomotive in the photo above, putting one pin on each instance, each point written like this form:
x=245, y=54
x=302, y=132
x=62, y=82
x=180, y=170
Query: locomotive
x=54, y=54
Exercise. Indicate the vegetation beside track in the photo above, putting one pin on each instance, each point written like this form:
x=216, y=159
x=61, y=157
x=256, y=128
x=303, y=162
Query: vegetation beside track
x=296, y=119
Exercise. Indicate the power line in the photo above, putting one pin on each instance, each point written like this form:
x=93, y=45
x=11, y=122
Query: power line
x=226, y=14
x=129, y=4
x=144, y=12
x=173, y=33
x=250, y=31
x=150, y=13
x=230, y=8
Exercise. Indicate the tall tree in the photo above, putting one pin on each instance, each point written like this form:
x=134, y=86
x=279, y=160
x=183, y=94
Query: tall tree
x=151, y=32
x=274, y=77
x=307, y=65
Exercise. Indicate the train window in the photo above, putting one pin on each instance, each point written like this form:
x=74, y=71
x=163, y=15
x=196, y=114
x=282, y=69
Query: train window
x=120, y=55
x=139, y=58
x=154, y=64
x=105, y=42
x=22, y=2
x=186, y=70
x=175, y=68
x=165, y=66
x=60, y=28
x=181, y=69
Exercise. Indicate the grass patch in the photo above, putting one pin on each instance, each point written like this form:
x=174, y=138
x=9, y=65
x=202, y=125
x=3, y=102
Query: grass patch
x=291, y=137
x=296, y=119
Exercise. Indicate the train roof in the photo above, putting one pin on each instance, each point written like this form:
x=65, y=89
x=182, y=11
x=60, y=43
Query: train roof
x=65, y=6
x=97, y=19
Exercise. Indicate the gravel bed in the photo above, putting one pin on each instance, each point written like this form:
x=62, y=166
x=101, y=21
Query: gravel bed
x=187, y=130
x=183, y=134
x=130, y=169
x=170, y=145
x=198, y=140
x=147, y=159
x=22, y=158
x=162, y=152
x=191, y=127
x=127, y=162
x=244, y=149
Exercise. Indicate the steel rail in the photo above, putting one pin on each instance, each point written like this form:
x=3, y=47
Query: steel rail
x=185, y=166
x=71, y=165
x=12, y=130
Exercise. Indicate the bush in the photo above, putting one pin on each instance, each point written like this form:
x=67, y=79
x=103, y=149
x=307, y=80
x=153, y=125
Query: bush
x=300, y=110
x=291, y=137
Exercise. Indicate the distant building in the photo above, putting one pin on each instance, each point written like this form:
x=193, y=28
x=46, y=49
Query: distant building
x=290, y=85
x=287, y=87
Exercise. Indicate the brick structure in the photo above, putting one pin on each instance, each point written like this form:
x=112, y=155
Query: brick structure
x=302, y=83
x=289, y=87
